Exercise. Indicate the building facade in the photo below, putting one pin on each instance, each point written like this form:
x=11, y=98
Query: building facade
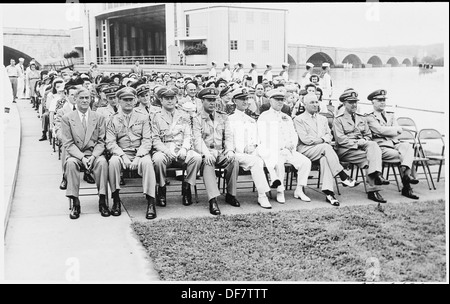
x=157, y=33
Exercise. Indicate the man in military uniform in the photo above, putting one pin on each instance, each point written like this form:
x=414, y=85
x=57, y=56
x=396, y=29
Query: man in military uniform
x=245, y=135
x=385, y=131
x=212, y=72
x=213, y=139
x=285, y=72
x=129, y=140
x=172, y=138
x=307, y=74
x=278, y=145
x=83, y=138
x=315, y=143
x=325, y=81
x=112, y=107
x=254, y=74
x=268, y=73
x=144, y=106
x=354, y=144
x=226, y=73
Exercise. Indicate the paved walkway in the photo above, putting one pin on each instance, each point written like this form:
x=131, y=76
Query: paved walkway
x=42, y=243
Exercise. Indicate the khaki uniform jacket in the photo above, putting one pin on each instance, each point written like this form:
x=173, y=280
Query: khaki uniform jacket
x=198, y=103
x=136, y=138
x=212, y=137
x=152, y=110
x=385, y=133
x=171, y=134
x=79, y=143
x=347, y=132
x=107, y=112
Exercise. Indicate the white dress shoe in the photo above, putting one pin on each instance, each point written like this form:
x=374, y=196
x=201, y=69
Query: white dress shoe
x=299, y=194
x=332, y=200
x=349, y=182
x=263, y=201
x=280, y=197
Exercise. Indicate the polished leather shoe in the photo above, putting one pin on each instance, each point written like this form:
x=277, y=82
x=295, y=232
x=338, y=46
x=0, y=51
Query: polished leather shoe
x=151, y=209
x=116, y=209
x=275, y=184
x=76, y=208
x=376, y=196
x=380, y=180
x=350, y=182
x=230, y=199
x=213, y=207
x=122, y=181
x=104, y=210
x=44, y=137
x=408, y=179
x=63, y=185
x=332, y=200
x=187, y=195
x=161, y=196
x=88, y=178
x=408, y=192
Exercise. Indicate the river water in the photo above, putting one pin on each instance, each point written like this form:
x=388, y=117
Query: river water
x=406, y=87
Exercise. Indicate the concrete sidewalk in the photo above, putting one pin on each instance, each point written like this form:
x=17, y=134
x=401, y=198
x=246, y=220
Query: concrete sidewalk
x=43, y=244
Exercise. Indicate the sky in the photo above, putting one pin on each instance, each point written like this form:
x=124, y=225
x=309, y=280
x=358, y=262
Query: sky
x=348, y=25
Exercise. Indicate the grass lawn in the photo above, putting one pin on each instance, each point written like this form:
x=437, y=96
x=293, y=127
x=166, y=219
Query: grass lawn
x=405, y=242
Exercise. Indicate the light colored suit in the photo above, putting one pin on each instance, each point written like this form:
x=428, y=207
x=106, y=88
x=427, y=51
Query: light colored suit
x=310, y=128
x=215, y=138
x=246, y=141
x=135, y=140
x=346, y=134
x=172, y=134
x=198, y=103
x=79, y=143
x=277, y=135
x=385, y=134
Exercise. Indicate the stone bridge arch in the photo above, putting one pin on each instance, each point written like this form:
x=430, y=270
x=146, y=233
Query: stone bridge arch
x=320, y=57
x=291, y=61
x=375, y=61
x=353, y=59
x=393, y=62
x=407, y=62
x=11, y=53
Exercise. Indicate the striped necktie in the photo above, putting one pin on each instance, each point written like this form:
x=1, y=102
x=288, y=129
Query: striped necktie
x=84, y=122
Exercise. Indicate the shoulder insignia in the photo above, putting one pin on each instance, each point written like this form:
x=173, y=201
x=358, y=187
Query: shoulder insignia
x=221, y=112
x=390, y=112
x=340, y=115
x=359, y=114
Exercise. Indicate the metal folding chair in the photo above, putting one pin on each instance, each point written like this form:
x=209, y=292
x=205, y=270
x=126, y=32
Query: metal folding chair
x=432, y=136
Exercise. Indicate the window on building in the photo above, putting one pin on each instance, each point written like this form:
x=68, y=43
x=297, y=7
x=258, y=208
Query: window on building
x=265, y=45
x=250, y=45
x=234, y=16
x=265, y=18
x=233, y=45
x=250, y=17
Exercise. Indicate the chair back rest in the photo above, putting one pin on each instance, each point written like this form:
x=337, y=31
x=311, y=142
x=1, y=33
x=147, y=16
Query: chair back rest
x=406, y=122
x=407, y=135
x=432, y=136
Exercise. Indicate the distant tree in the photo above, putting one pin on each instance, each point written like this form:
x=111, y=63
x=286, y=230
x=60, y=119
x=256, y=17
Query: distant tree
x=415, y=61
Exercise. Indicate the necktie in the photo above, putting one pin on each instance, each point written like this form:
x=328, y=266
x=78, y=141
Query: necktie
x=84, y=122
x=146, y=108
x=115, y=109
x=127, y=118
x=74, y=108
x=384, y=117
x=353, y=118
x=211, y=116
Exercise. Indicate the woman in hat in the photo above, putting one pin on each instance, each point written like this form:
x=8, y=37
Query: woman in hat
x=32, y=78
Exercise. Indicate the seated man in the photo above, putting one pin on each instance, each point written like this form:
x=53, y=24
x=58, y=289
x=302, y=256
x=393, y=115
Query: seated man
x=315, y=139
x=83, y=138
x=112, y=107
x=144, y=106
x=172, y=136
x=128, y=139
x=278, y=143
x=245, y=135
x=214, y=141
x=354, y=144
x=385, y=132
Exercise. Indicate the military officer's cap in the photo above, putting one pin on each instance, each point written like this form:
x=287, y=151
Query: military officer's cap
x=225, y=91
x=213, y=62
x=167, y=92
x=325, y=64
x=309, y=64
x=378, y=94
x=349, y=96
x=303, y=92
x=285, y=64
x=269, y=64
x=110, y=90
x=240, y=93
x=208, y=93
x=99, y=88
x=132, y=75
x=126, y=92
x=276, y=93
x=84, y=76
x=253, y=63
x=142, y=89
x=156, y=89
x=226, y=63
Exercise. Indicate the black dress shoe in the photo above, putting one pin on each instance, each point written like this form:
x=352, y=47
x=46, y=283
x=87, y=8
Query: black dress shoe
x=213, y=207
x=63, y=185
x=116, y=209
x=376, y=196
x=408, y=192
x=104, y=210
x=379, y=180
x=122, y=181
x=44, y=137
x=161, y=197
x=187, y=195
x=230, y=199
x=151, y=210
x=88, y=178
x=408, y=179
x=275, y=183
x=76, y=208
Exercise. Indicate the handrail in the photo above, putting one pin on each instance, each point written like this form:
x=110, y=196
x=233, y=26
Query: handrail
x=157, y=59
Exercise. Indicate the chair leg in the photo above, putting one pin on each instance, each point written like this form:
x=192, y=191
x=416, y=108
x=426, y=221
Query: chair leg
x=431, y=177
x=439, y=172
x=425, y=172
x=196, y=194
x=387, y=171
x=318, y=179
x=395, y=175
x=363, y=178
x=337, y=185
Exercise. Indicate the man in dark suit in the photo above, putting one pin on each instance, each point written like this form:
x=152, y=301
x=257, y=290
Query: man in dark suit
x=83, y=137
